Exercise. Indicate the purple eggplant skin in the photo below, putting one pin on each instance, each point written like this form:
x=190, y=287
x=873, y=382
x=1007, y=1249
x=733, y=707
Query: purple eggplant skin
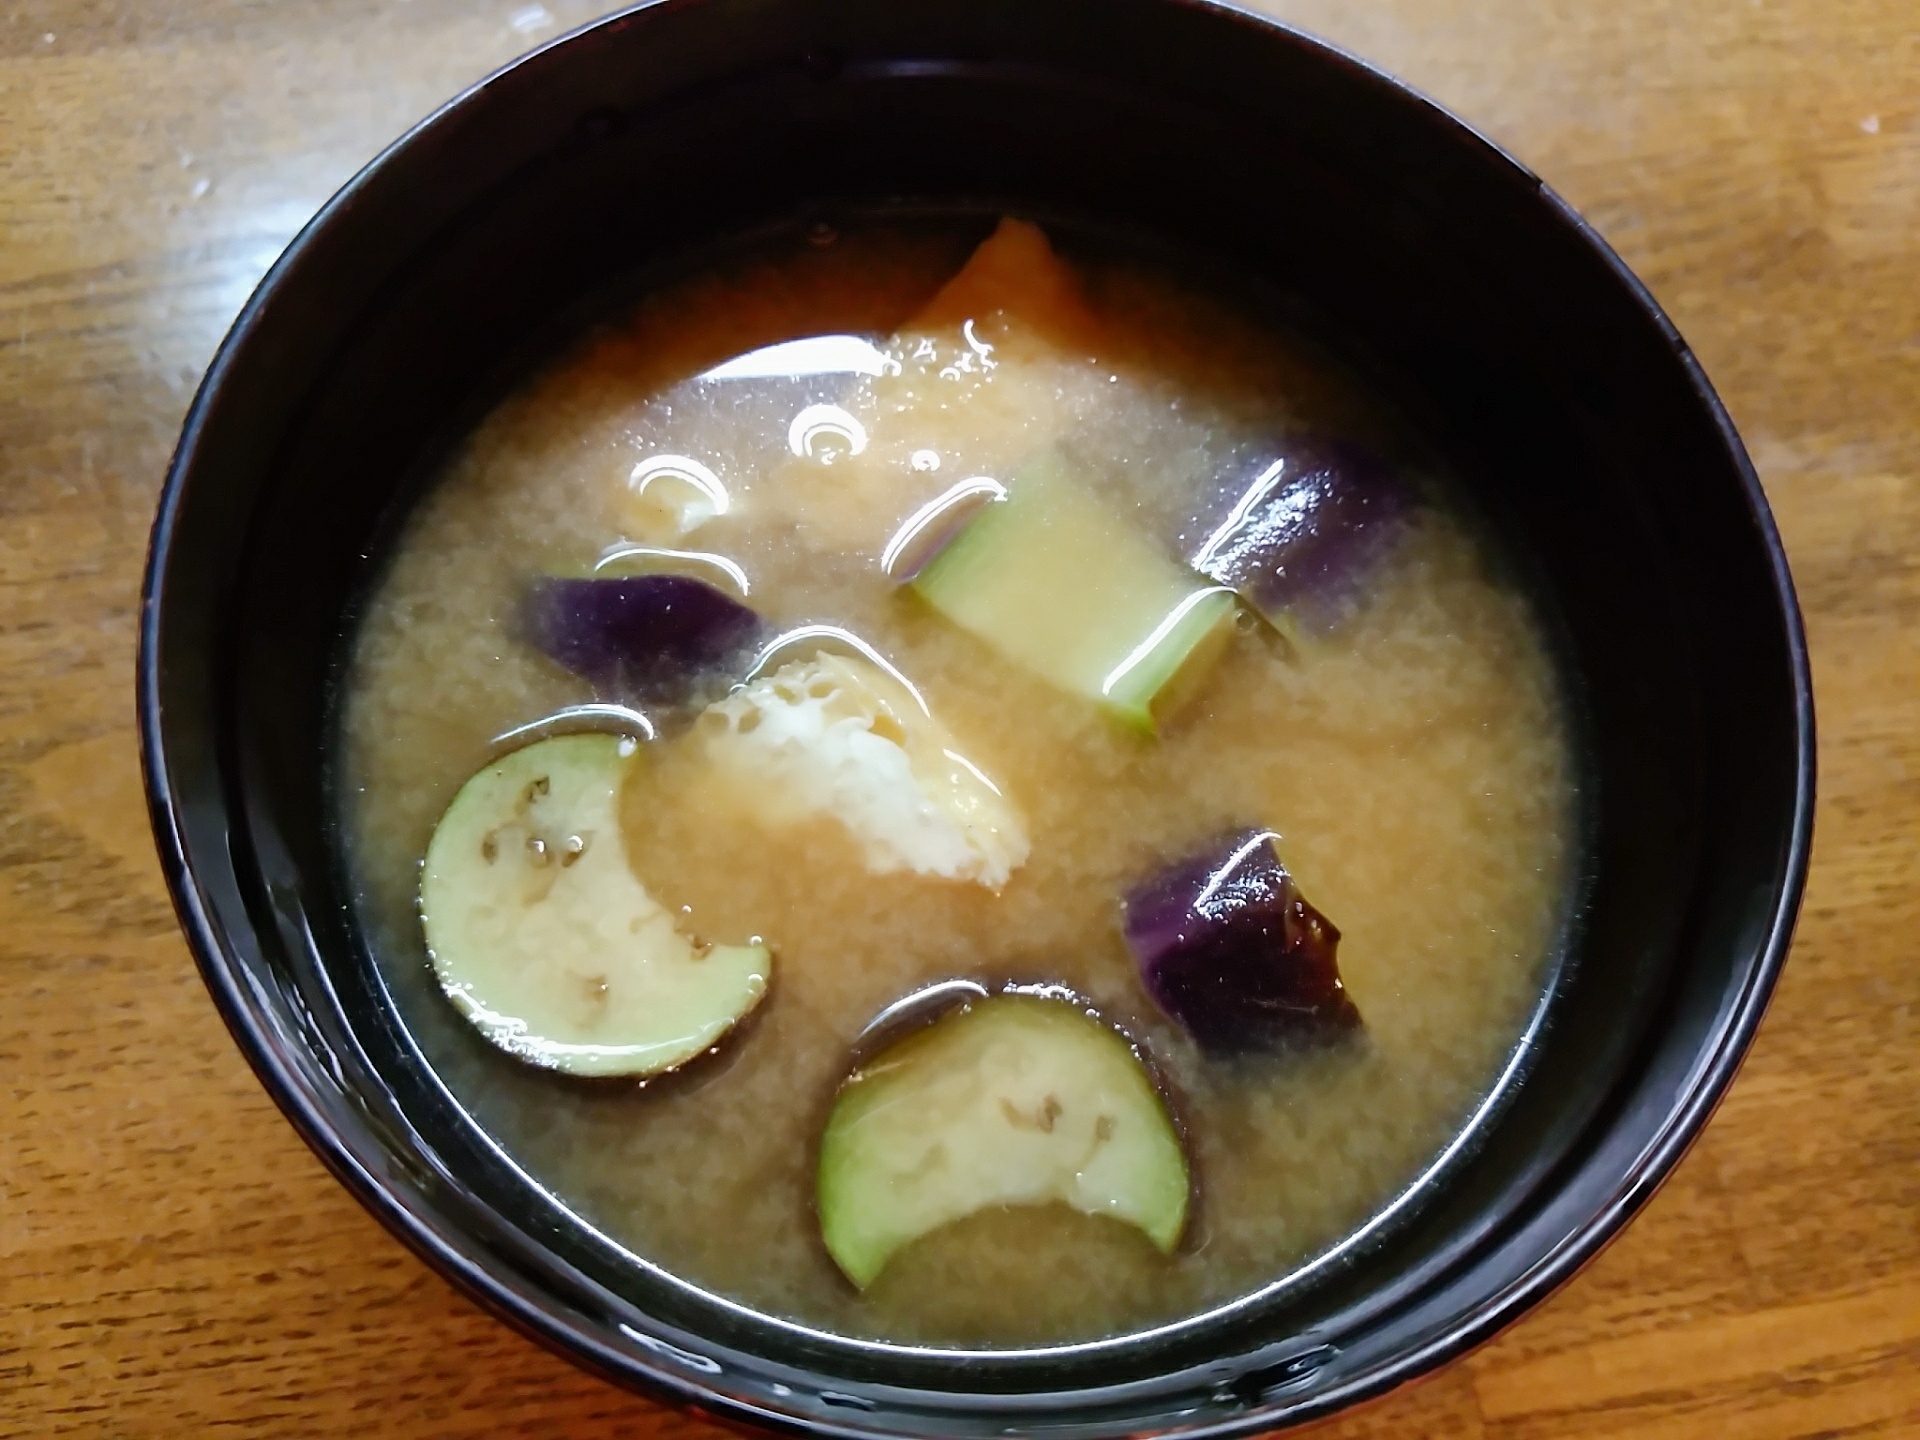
x=1230, y=949
x=637, y=637
x=1302, y=527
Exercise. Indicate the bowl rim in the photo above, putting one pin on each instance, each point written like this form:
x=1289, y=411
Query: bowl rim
x=557, y=1330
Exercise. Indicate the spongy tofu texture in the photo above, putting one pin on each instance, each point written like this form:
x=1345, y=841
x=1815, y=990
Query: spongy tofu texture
x=835, y=737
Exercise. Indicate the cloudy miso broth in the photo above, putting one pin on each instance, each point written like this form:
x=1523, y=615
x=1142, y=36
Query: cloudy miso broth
x=991, y=656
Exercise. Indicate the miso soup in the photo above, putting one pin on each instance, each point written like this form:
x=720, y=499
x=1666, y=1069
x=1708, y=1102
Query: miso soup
x=1088, y=679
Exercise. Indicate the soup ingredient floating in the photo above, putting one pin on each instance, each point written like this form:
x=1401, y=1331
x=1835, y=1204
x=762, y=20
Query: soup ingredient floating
x=1014, y=1100
x=1056, y=581
x=637, y=637
x=837, y=737
x=1231, y=950
x=1304, y=530
x=544, y=940
x=991, y=371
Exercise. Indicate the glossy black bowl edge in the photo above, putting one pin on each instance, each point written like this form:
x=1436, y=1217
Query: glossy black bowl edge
x=291, y=1089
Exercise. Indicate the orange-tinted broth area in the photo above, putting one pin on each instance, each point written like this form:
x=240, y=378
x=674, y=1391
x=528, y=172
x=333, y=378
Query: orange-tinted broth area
x=1414, y=760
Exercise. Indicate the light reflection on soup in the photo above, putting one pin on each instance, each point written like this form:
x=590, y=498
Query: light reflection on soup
x=1411, y=753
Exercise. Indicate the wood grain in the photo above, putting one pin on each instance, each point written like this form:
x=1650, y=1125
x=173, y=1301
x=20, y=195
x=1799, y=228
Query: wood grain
x=173, y=1261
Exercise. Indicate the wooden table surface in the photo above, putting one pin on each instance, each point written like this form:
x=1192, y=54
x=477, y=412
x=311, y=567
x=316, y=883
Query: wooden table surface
x=174, y=1262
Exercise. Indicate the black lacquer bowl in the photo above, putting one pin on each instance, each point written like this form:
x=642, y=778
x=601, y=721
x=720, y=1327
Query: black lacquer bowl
x=1576, y=414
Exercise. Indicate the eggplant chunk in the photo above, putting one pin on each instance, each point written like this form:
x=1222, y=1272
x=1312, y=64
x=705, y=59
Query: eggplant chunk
x=544, y=939
x=1304, y=527
x=1230, y=949
x=1013, y=1100
x=637, y=637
